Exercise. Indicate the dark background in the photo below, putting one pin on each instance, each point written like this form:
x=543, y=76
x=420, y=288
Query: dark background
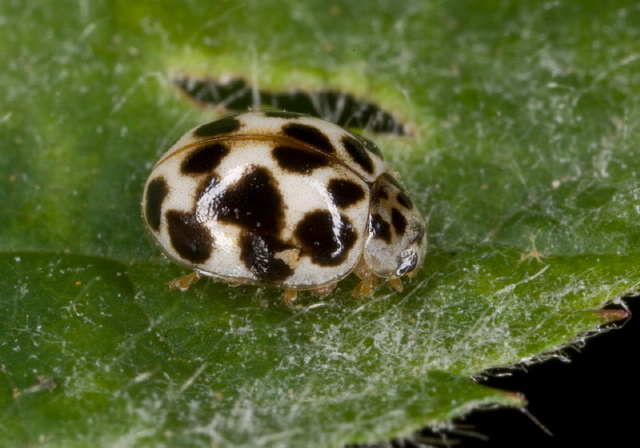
x=592, y=401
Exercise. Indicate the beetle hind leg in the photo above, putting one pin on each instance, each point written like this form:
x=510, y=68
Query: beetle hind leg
x=184, y=281
x=289, y=296
x=326, y=290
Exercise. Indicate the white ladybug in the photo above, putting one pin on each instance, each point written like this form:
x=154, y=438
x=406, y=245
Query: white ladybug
x=283, y=200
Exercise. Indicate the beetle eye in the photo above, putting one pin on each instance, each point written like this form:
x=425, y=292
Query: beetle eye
x=407, y=261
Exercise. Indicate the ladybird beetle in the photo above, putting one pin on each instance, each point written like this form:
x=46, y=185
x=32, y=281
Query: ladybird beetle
x=284, y=200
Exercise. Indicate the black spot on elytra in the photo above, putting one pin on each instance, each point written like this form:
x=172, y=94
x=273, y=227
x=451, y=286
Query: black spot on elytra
x=419, y=236
x=190, y=239
x=327, y=242
x=380, y=229
x=207, y=184
x=345, y=193
x=224, y=125
x=369, y=145
x=357, y=152
x=156, y=193
x=282, y=114
x=380, y=193
x=253, y=203
x=393, y=181
x=404, y=200
x=398, y=221
x=310, y=135
x=258, y=253
x=204, y=159
x=299, y=160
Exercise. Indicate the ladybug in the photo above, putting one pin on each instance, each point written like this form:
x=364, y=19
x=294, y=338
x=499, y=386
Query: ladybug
x=283, y=200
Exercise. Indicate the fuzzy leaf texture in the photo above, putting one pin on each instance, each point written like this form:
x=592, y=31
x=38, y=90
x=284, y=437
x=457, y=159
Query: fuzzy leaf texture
x=523, y=156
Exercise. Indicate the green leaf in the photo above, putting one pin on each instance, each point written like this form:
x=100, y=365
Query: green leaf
x=523, y=158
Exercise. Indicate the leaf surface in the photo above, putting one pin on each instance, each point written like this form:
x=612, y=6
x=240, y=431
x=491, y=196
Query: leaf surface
x=522, y=157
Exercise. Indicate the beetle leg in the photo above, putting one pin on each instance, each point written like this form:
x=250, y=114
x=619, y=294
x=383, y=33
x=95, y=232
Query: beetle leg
x=184, y=281
x=325, y=290
x=410, y=274
x=289, y=296
x=396, y=283
x=362, y=270
x=369, y=280
x=365, y=287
